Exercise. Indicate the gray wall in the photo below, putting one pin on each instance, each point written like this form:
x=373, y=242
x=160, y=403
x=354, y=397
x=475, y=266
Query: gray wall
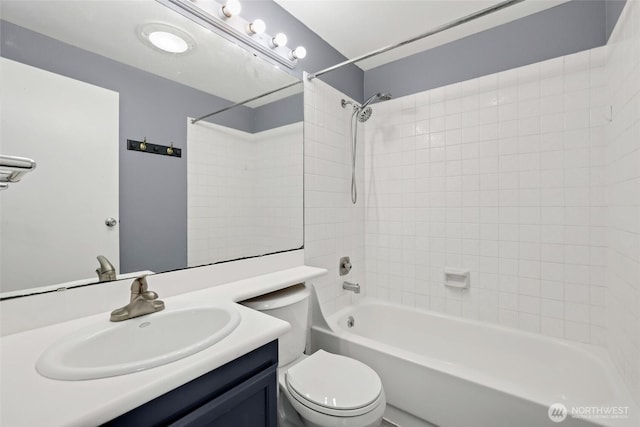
x=613, y=9
x=568, y=28
x=279, y=113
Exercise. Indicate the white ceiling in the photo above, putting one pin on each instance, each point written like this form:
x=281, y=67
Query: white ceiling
x=357, y=27
x=110, y=28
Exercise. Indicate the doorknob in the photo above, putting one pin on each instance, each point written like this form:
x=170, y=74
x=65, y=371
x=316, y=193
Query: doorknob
x=111, y=222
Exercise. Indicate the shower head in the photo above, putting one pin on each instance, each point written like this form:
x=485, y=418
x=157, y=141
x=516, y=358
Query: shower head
x=364, y=114
x=377, y=96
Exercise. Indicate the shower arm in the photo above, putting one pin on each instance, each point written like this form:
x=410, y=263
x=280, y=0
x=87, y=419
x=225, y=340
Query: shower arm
x=452, y=24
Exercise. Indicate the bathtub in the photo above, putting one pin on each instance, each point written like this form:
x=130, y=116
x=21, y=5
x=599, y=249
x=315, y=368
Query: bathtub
x=452, y=372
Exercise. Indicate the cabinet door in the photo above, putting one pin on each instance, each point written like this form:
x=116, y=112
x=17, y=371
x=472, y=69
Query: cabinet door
x=242, y=378
x=249, y=404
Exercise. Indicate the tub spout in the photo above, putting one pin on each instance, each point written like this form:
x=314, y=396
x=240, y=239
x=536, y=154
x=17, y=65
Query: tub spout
x=353, y=287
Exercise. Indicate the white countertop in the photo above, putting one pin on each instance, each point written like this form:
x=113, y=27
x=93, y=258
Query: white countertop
x=31, y=400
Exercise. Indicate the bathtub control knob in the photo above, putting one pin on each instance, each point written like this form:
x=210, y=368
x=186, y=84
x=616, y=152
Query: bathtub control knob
x=345, y=265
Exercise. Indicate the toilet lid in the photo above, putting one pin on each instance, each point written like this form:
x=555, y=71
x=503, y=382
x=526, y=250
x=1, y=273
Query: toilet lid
x=333, y=381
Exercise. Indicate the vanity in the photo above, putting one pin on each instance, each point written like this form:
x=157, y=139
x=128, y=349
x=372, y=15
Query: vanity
x=231, y=382
x=241, y=393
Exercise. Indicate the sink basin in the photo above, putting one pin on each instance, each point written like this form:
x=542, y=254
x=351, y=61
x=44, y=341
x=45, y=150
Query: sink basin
x=108, y=349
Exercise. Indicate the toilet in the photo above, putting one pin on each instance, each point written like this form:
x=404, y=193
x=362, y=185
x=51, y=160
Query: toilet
x=323, y=389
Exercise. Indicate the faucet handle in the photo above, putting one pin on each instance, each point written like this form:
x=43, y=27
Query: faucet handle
x=149, y=295
x=139, y=285
x=345, y=265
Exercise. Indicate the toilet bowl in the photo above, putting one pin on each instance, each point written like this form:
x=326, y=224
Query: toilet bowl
x=329, y=390
x=322, y=389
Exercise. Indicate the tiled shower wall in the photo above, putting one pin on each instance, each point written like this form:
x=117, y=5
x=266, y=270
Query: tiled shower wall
x=244, y=192
x=623, y=198
x=333, y=226
x=502, y=176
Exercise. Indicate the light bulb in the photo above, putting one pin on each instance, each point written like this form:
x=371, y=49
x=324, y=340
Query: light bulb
x=299, y=52
x=231, y=7
x=257, y=27
x=280, y=39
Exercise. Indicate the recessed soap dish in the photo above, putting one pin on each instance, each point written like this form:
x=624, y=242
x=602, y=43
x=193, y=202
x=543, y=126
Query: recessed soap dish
x=456, y=278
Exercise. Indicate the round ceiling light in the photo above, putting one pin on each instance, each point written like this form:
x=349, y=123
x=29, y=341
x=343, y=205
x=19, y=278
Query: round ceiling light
x=166, y=38
x=168, y=42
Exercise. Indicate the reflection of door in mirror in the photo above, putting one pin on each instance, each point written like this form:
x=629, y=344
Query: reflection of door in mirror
x=53, y=220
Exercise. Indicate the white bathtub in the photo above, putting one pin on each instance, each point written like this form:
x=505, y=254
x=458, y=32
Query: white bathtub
x=453, y=372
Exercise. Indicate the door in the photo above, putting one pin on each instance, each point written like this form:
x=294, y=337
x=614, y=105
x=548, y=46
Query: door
x=70, y=129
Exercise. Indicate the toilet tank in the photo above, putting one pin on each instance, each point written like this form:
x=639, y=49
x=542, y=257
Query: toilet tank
x=291, y=305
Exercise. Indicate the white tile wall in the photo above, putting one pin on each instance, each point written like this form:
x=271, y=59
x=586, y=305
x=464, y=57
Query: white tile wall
x=245, y=192
x=623, y=198
x=500, y=175
x=334, y=227
x=278, y=188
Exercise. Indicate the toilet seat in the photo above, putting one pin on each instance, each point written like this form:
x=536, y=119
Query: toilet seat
x=334, y=385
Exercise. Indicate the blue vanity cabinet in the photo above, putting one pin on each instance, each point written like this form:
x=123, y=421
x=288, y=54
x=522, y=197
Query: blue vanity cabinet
x=241, y=393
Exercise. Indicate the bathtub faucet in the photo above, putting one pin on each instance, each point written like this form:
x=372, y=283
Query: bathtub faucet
x=353, y=287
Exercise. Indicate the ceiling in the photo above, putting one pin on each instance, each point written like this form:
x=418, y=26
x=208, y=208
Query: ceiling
x=111, y=28
x=357, y=27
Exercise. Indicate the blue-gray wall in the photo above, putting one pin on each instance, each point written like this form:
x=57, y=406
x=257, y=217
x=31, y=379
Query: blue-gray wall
x=568, y=28
x=613, y=9
x=279, y=113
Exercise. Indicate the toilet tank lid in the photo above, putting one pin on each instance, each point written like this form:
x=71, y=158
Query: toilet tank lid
x=278, y=299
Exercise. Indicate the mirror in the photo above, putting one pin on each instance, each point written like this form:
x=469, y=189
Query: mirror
x=79, y=80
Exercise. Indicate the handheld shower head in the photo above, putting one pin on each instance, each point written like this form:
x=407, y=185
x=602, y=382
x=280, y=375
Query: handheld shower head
x=360, y=114
x=364, y=114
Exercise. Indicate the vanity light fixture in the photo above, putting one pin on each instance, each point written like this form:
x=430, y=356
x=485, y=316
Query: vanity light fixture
x=225, y=20
x=166, y=38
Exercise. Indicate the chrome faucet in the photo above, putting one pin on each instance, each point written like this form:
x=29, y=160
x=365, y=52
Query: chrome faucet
x=143, y=301
x=353, y=287
x=106, y=271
